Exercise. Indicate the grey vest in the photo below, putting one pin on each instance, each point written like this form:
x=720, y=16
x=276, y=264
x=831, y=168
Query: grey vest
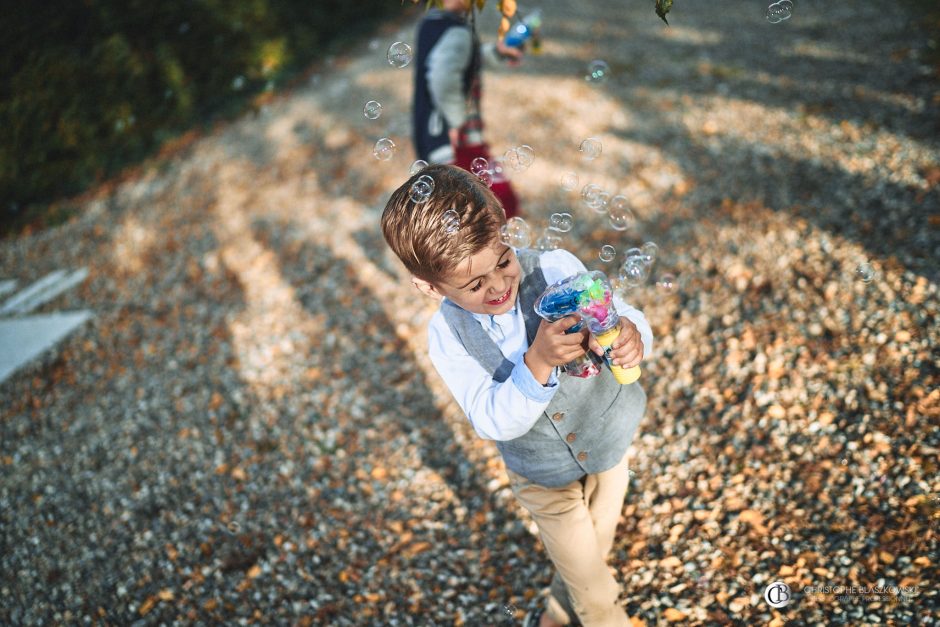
x=588, y=424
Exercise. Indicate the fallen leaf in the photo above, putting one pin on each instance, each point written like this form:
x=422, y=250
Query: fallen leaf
x=672, y=614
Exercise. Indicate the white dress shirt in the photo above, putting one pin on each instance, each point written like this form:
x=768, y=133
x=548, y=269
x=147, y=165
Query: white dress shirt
x=507, y=410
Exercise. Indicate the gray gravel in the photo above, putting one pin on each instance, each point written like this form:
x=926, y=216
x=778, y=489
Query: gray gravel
x=249, y=429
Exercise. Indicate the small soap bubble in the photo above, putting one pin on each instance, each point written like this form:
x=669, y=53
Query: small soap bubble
x=561, y=222
x=865, y=272
x=667, y=282
x=598, y=71
x=417, y=166
x=496, y=166
x=591, y=148
x=451, y=221
x=372, y=109
x=399, y=54
x=479, y=165
x=621, y=216
x=422, y=189
x=649, y=250
x=549, y=240
x=634, y=272
x=633, y=253
x=512, y=159
x=516, y=233
x=607, y=253
x=601, y=202
x=238, y=83
x=383, y=149
x=569, y=181
x=526, y=156
x=779, y=11
x=509, y=610
x=487, y=177
x=621, y=220
x=589, y=193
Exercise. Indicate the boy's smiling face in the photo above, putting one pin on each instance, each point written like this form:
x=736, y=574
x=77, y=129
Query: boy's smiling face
x=484, y=283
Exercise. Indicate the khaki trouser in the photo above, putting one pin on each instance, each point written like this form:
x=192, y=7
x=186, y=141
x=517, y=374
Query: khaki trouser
x=577, y=523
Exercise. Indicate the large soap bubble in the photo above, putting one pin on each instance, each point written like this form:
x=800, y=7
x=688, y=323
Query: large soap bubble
x=516, y=233
x=399, y=54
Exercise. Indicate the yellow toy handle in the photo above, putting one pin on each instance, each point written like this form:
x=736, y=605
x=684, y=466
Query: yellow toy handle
x=624, y=376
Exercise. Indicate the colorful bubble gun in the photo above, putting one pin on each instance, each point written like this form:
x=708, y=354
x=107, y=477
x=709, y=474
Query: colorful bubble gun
x=590, y=295
x=527, y=28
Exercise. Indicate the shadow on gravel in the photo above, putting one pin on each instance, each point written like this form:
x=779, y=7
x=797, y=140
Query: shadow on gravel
x=890, y=221
x=367, y=359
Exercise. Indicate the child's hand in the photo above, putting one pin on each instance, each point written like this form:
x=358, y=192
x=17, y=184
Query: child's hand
x=553, y=347
x=627, y=349
x=512, y=55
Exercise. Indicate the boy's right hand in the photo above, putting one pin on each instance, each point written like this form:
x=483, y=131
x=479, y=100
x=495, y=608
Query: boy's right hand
x=553, y=347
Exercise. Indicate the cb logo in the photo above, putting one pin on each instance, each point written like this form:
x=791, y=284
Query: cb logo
x=777, y=594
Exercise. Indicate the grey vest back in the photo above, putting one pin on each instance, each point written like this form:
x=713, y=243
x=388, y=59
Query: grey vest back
x=589, y=423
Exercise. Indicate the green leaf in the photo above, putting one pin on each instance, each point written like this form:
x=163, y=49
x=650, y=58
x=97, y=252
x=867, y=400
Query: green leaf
x=662, y=8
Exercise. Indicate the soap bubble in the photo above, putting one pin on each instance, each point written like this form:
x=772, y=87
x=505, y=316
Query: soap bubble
x=601, y=201
x=591, y=195
x=479, y=165
x=649, y=250
x=667, y=282
x=549, y=240
x=516, y=233
x=487, y=177
x=384, y=149
x=633, y=253
x=399, y=54
x=451, y=221
x=372, y=109
x=509, y=610
x=511, y=158
x=526, y=155
x=621, y=220
x=597, y=72
x=569, y=181
x=496, y=166
x=865, y=272
x=560, y=222
x=238, y=83
x=422, y=189
x=591, y=148
x=417, y=166
x=621, y=216
x=607, y=253
x=779, y=11
x=634, y=272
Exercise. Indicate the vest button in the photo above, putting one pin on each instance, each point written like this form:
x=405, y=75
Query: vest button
x=558, y=416
x=571, y=438
x=582, y=456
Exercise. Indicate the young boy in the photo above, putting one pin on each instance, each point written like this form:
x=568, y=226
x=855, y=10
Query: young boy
x=446, y=117
x=563, y=439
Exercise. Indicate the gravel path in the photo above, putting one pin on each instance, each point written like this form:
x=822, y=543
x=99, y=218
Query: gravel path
x=249, y=430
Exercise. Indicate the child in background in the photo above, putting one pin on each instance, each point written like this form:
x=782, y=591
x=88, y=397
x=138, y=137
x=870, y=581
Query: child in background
x=447, y=123
x=563, y=439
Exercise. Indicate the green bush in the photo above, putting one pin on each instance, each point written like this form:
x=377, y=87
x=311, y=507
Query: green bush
x=88, y=87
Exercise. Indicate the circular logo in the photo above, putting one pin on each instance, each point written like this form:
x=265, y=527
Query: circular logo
x=777, y=594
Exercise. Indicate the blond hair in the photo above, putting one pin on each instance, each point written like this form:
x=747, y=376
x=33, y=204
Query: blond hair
x=430, y=243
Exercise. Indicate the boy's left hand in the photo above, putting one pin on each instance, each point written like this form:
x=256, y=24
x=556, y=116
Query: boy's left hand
x=513, y=56
x=627, y=349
